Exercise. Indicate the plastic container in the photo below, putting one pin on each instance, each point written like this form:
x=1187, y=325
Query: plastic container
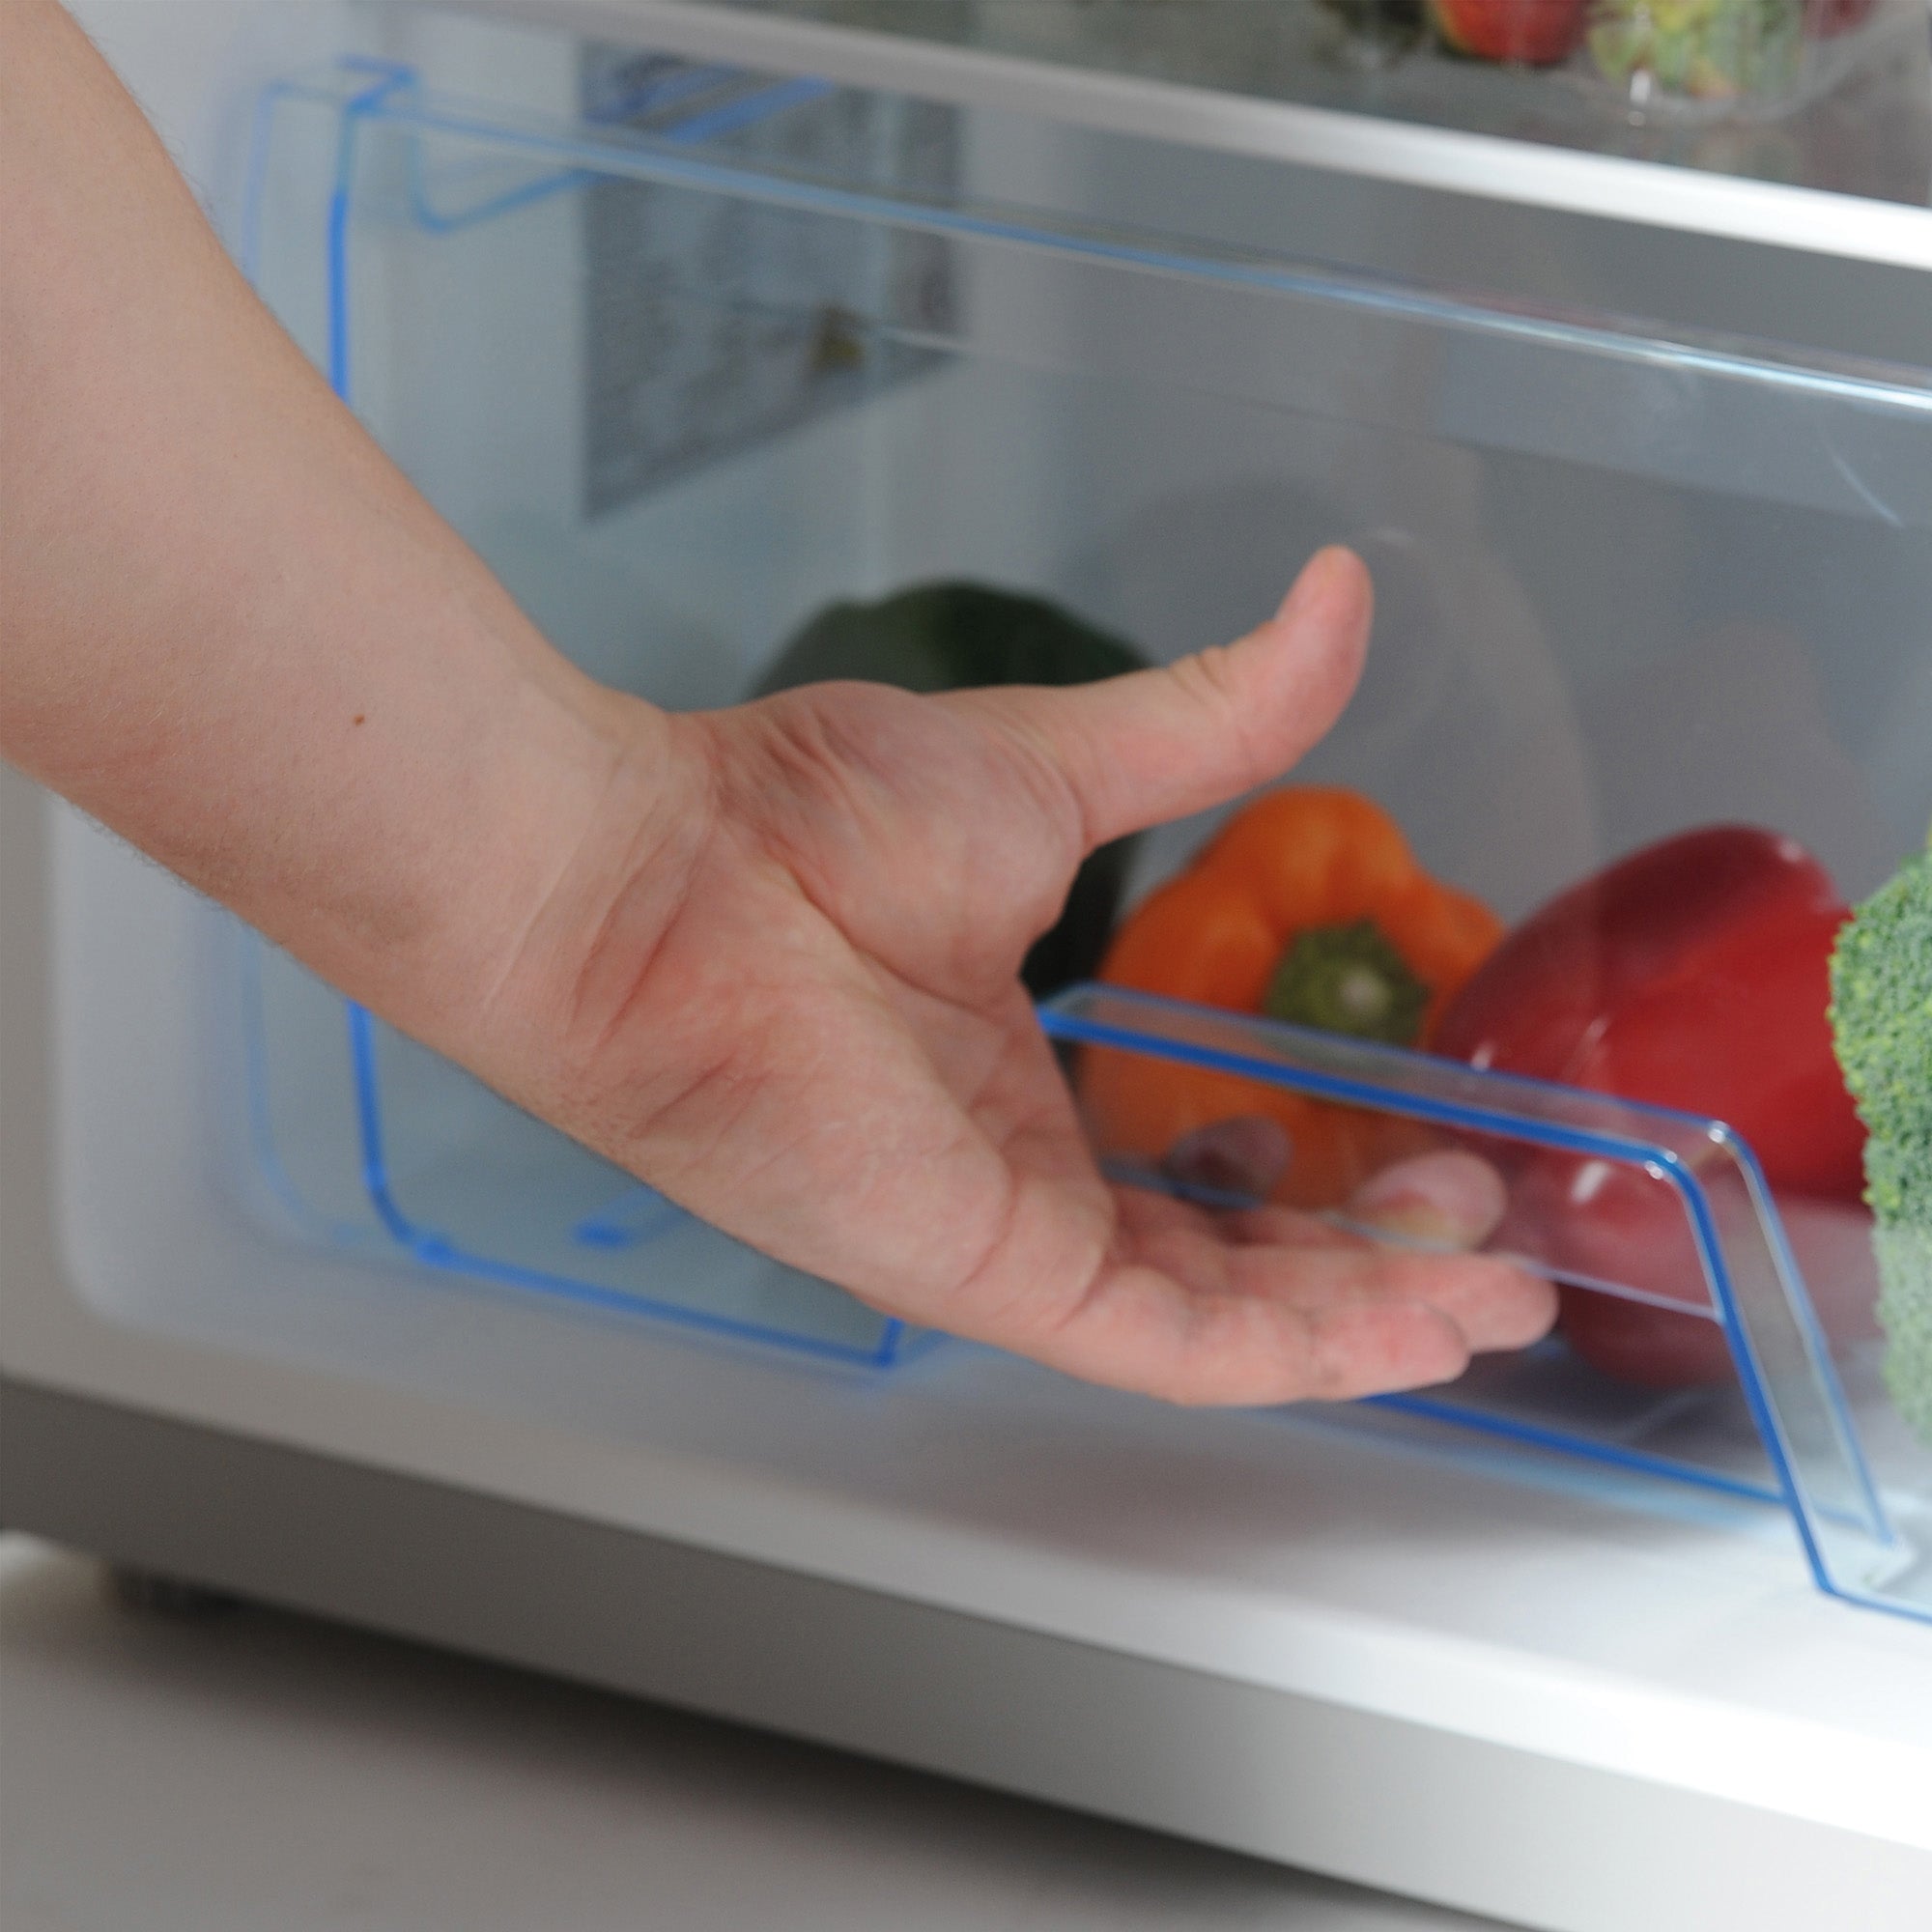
x=690, y=354
x=1643, y=59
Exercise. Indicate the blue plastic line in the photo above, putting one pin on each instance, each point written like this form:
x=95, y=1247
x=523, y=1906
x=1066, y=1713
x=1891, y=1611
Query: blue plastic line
x=339, y=208
x=667, y=90
x=387, y=80
x=598, y=1235
x=611, y=1227
x=369, y=1123
x=639, y=157
x=433, y=222
x=1810, y=1330
x=1751, y=1373
x=1347, y=1092
x=1056, y=1020
x=730, y=117
x=268, y=1157
x=1744, y=1354
x=448, y=1257
x=1897, y=1606
x=1536, y=1435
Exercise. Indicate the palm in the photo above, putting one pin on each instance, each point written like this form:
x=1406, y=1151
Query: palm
x=826, y=1048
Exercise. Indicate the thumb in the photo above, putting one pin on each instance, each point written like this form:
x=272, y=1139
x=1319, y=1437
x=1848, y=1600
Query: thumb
x=1156, y=745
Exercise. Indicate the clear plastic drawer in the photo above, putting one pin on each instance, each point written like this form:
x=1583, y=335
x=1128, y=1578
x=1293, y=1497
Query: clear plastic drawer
x=691, y=354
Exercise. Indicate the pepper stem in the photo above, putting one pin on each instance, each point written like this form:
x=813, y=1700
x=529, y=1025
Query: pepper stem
x=1349, y=979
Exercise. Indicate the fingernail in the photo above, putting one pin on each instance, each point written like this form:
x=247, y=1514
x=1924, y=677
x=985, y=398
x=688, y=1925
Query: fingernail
x=1448, y=1200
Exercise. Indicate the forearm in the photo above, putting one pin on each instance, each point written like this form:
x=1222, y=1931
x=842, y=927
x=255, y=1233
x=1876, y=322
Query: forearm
x=766, y=957
x=231, y=630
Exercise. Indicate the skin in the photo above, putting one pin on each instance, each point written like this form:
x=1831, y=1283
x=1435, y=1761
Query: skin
x=766, y=958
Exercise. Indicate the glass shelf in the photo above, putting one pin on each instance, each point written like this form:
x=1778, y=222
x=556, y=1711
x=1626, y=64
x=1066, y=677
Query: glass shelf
x=1863, y=127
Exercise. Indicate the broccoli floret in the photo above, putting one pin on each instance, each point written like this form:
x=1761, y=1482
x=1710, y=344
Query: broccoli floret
x=1881, y=1023
x=1905, y=1308
x=1881, y=1006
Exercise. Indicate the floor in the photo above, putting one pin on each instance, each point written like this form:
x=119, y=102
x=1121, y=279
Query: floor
x=254, y=1771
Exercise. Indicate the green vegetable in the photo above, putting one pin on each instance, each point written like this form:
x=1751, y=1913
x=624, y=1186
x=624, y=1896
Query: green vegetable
x=949, y=637
x=1881, y=1024
x=1708, y=50
x=955, y=637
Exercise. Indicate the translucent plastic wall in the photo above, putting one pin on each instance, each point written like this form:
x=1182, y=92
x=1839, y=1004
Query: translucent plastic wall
x=694, y=354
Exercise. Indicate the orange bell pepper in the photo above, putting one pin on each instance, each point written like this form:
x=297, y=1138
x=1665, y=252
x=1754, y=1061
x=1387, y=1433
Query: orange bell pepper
x=1308, y=906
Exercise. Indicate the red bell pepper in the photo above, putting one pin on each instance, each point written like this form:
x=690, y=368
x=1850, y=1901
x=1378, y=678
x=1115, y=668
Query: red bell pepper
x=1692, y=974
x=1535, y=32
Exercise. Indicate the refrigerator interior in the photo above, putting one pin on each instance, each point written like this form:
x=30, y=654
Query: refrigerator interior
x=688, y=353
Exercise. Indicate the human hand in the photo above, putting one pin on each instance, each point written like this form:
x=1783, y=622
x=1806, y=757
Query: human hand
x=766, y=958
x=798, y=1014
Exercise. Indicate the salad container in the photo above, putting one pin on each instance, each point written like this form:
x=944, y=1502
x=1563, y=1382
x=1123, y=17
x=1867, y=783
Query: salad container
x=1647, y=59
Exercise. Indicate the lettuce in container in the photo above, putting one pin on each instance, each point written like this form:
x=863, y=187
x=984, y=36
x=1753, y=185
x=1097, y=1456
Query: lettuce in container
x=1698, y=49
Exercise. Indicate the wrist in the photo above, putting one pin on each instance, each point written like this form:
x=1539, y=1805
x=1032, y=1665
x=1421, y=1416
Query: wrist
x=600, y=822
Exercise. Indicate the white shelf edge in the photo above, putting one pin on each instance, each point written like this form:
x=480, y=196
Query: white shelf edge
x=1654, y=194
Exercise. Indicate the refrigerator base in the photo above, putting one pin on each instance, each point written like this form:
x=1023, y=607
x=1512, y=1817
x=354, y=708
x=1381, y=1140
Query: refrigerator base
x=1464, y=1822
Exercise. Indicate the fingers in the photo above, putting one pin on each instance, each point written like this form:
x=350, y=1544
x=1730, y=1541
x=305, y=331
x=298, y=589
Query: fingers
x=1446, y=1200
x=1337, y=1323
x=1269, y=1305
x=1494, y=1304
x=1156, y=745
x=1140, y=1328
x=1302, y=1260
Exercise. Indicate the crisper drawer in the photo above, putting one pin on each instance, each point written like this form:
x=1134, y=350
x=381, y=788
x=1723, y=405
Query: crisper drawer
x=692, y=354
